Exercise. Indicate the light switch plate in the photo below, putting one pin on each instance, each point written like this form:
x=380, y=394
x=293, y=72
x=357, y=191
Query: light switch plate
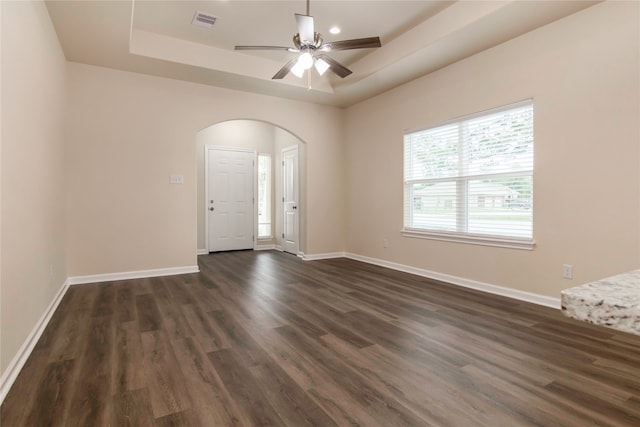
x=176, y=179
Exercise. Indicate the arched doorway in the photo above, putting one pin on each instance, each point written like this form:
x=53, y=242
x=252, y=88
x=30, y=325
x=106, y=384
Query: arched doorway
x=267, y=141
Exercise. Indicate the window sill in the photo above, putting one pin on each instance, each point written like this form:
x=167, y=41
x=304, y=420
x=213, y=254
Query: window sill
x=473, y=239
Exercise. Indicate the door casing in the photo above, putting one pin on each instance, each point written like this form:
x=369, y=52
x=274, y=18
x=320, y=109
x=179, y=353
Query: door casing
x=291, y=208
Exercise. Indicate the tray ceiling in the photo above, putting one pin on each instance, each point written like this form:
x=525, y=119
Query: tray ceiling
x=418, y=37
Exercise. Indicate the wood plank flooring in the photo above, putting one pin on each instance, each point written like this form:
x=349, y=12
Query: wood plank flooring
x=263, y=338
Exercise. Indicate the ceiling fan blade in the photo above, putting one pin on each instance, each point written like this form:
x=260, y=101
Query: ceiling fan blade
x=290, y=49
x=335, y=66
x=285, y=70
x=305, y=28
x=352, y=44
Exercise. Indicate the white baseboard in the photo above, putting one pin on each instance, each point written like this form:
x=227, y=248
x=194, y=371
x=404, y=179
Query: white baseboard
x=330, y=255
x=454, y=280
x=110, y=277
x=459, y=281
x=11, y=373
x=264, y=247
x=279, y=248
x=256, y=248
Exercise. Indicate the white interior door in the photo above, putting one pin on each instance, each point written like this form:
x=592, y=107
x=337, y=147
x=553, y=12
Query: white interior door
x=230, y=210
x=290, y=200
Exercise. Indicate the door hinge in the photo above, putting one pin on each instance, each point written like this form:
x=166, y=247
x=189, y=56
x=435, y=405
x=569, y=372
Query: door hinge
x=283, y=235
x=283, y=200
x=283, y=163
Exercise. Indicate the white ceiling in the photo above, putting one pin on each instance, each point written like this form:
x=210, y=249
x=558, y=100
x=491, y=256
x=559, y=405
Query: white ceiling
x=418, y=37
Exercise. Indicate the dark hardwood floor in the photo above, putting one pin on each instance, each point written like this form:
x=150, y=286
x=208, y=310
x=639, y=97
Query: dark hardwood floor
x=263, y=338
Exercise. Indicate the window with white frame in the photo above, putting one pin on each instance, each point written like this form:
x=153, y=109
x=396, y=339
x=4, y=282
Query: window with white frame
x=471, y=179
x=264, y=196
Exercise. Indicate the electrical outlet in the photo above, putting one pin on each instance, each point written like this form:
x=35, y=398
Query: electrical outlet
x=385, y=243
x=567, y=271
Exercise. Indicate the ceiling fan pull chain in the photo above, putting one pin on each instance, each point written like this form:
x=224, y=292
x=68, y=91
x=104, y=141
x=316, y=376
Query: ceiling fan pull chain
x=308, y=79
x=308, y=10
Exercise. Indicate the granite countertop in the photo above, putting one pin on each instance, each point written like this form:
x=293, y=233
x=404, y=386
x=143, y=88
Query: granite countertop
x=612, y=302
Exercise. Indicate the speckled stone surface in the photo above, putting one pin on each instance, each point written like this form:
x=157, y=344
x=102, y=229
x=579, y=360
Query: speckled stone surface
x=612, y=302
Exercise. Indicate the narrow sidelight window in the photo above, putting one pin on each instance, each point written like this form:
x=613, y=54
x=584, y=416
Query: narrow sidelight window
x=264, y=196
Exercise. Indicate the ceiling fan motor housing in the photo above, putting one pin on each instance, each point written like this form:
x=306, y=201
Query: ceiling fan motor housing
x=317, y=42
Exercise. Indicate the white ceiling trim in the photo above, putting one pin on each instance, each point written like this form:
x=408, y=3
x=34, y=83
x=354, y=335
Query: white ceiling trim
x=166, y=48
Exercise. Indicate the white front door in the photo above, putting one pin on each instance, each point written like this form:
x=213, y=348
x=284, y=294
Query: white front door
x=230, y=221
x=290, y=200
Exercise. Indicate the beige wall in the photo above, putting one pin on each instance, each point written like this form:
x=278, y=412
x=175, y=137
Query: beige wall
x=129, y=132
x=33, y=104
x=583, y=75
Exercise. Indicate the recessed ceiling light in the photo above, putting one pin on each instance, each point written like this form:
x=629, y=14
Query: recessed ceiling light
x=334, y=30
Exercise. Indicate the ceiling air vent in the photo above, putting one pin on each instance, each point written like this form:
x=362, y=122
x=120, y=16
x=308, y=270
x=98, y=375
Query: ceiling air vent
x=204, y=20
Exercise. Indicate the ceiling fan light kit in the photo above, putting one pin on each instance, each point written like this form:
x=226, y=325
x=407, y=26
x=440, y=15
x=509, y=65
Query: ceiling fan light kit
x=321, y=66
x=305, y=60
x=311, y=46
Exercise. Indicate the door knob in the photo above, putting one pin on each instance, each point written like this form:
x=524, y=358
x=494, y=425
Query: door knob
x=211, y=208
x=295, y=207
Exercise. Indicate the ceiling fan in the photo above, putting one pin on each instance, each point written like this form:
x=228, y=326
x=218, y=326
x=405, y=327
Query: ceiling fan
x=313, y=50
